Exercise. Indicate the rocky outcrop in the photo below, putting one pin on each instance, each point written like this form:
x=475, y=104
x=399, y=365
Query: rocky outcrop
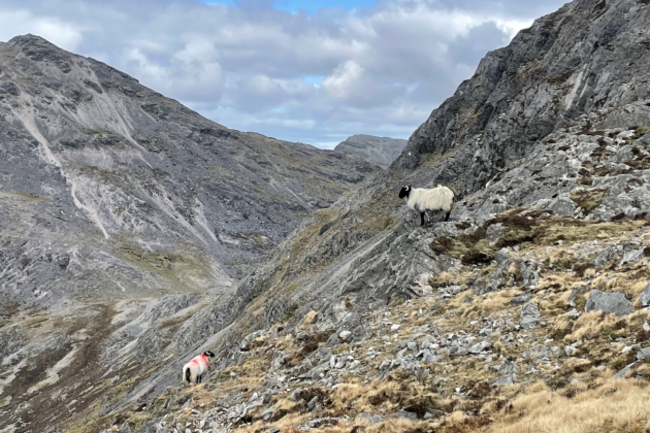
x=551, y=122
x=381, y=151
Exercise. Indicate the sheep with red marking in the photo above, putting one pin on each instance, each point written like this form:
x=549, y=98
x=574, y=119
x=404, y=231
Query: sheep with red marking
x=422, y=200
x=194, y=370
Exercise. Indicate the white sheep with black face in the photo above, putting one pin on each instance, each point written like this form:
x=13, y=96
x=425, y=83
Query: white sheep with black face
x=194, y=370
x=422, y=200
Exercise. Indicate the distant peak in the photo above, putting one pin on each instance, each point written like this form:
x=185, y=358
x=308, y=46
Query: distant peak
x=29, y=38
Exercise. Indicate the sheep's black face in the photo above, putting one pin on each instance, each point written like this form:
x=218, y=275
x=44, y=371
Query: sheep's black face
x=210, y=354
x=405, y=191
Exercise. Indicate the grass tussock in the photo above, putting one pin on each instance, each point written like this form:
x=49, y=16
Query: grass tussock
x=617, y=406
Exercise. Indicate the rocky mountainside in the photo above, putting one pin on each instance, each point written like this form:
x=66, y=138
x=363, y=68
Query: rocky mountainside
x=381, y=151
x=122, y=212
x=528, y=311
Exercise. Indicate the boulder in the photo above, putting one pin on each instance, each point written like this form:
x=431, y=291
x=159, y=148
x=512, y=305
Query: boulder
x=614, y=303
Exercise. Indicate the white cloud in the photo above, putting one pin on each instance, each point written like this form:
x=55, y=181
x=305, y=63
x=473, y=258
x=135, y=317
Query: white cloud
x=377, y=71
x=344, y=80
x=16, y=22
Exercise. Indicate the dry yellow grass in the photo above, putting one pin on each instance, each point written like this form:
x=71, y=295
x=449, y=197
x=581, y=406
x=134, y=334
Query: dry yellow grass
x=619, y=405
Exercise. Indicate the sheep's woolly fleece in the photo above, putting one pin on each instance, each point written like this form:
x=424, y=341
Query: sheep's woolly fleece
x=422, y=200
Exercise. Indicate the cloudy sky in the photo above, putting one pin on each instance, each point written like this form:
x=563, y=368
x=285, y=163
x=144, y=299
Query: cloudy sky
x=314, y=71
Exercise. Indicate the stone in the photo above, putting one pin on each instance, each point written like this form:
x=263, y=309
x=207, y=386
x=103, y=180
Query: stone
x=494, y=233
x=371, y=418
x=345, y=335
x=245, y=345
x=644, y=297
x=607, y=255
x=569, y=350
x=622, y=373
x=479, y=347
x=312, y=403
x=614, y=303
x=412, y=346
x=573, y=314
x=529, y=272
x=571, y=302
x=297, y=394
x=395, y=327
x=508, y=368
x=506, y=380
x=631, y=257
x=530, y=315
x=643, y=354
x=406, y=415
x=457, y=350
x=563, y=206
x=521, y=299
x=268, y=412
x=434, y=413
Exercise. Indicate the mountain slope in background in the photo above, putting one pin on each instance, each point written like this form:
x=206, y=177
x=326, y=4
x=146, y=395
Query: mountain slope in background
x=381, y=151
x=535, y=291
x=121, y=213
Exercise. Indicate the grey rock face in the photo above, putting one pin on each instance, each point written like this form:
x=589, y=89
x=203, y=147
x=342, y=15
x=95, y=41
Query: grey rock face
x=381, y=151
x=615, y=303
x=523, y=92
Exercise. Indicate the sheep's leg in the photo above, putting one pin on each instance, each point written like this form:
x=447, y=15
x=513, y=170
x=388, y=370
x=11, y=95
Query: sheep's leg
x=447, y=216
x=421, y=218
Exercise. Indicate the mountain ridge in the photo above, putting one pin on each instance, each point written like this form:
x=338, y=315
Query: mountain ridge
x=381, y=151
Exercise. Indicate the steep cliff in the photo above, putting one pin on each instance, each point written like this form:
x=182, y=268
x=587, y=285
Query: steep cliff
x=381, y=151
